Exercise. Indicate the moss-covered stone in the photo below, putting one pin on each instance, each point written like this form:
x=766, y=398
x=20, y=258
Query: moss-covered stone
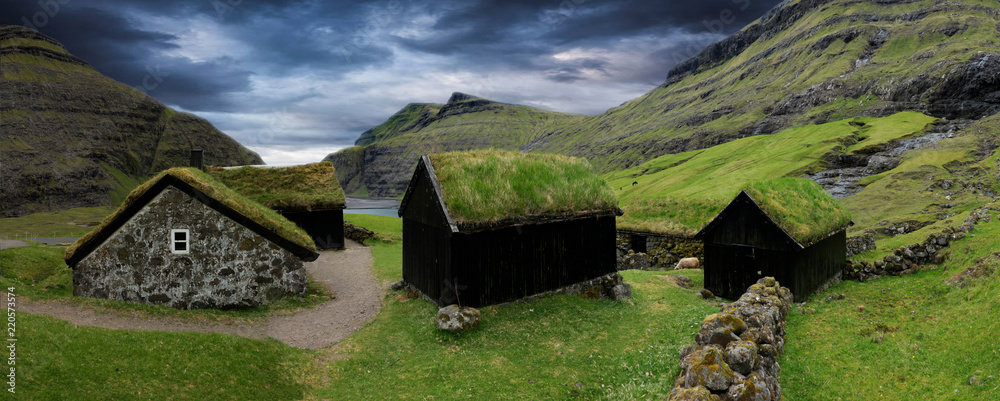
x=742, y=356
x=708, y=368
x=699, y=393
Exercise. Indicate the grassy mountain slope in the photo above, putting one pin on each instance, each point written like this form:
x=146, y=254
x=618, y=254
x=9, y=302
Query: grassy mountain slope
x=808, y=62
x=805, y=63
x=71, y=137
x=383, y=160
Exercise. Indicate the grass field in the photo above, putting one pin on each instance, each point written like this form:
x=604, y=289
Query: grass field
x=917, y=337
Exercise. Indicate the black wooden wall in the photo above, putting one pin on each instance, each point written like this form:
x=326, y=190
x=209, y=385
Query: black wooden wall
x=326, y=227
x=745, y=245
x=510, y=263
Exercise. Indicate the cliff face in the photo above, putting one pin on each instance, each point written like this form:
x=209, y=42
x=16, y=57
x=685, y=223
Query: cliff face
x=805, y=62
x=71, y=137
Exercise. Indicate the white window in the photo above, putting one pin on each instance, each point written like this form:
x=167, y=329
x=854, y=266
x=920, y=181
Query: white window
x=180, y=241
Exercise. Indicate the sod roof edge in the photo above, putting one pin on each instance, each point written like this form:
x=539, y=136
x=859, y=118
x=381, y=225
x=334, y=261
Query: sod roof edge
x=582, y=192
x=247, y=180
x=87, y=244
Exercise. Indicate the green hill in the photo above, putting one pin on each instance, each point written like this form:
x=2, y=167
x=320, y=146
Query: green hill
x=804, y=63
x=71, y=137
x=383, y=160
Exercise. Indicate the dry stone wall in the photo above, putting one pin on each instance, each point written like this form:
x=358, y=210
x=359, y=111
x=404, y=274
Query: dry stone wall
x=228, y=265
x=909, y=259
x=735, y=356
x=662, y=252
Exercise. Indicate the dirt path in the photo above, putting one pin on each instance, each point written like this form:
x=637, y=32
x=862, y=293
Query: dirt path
x=348, y=273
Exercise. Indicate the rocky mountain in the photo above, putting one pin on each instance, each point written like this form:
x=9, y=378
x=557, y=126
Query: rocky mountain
x=71, y=137
x=805, y=62
x=381, y=162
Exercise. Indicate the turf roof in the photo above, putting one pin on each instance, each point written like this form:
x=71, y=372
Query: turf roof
x=800, y=207
x=491, y=186
x=203, y=182
x=301, y=188
x=678, y=217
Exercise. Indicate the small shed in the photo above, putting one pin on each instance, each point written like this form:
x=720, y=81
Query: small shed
x=309, y=195
x=185, y=240
x=787, y=228
x=487, y=227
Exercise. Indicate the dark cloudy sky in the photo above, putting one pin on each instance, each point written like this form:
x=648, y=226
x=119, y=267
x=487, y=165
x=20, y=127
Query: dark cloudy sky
x=295, y=80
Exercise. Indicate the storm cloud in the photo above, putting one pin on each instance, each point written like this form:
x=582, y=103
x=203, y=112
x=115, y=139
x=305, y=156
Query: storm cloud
x=295, y=80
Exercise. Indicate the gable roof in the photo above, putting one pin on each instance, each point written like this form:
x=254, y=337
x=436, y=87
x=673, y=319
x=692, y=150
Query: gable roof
x=300, y=188
x=798, y=206
x=209, y=191
x=489, y=188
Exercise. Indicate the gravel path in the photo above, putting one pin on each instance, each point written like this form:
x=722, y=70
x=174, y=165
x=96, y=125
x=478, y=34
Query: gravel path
x=347, y=273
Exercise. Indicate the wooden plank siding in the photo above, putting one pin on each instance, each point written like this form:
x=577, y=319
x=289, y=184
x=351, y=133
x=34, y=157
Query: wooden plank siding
x=743, y=245
x=326, y=227
x=511, y=263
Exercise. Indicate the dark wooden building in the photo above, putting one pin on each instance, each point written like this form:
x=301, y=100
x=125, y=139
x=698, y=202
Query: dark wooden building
x=520, y=247
x=789, y=229
x=309, y=195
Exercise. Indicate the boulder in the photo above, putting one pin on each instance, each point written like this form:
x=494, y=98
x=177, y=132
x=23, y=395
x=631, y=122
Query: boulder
x=687, y=263
x=357, y=233
x=753, y=388
x=742, y=356
x=621, y=291
x=699, y=393
x=704, y=293
x=707, y=367
x=456, y=318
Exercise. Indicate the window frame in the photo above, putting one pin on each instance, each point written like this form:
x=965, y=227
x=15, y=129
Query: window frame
x=186, y=241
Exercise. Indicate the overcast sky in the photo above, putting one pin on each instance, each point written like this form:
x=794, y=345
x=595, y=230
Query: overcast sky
x=296, y=80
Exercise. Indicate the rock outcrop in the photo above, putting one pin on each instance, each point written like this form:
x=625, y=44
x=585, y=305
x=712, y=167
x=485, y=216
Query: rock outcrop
x=71, y=137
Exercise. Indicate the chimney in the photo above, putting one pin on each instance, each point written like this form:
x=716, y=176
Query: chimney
x=197, y=159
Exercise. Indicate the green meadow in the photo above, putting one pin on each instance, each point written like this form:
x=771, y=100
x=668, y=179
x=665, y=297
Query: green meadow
x=916, y=335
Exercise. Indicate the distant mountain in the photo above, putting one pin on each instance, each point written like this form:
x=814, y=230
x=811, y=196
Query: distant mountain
x=381, y=163
x=71, y=137
x=805, y=62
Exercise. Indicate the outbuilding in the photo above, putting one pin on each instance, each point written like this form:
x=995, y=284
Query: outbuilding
x=487, y=227
x=185, y=240
x=787, y=228
x=308, y=195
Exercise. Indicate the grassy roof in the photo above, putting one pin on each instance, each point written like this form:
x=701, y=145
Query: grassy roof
x=488, y=186
x=205, y=183
x=800, y=207
x=669, y=216
x=302, y=188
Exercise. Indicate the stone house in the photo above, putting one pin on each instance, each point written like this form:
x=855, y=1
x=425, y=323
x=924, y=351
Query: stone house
x=185, y=240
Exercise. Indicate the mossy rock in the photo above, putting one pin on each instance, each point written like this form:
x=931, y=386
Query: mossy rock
x=753, y=388
x=708, y=368
x=699, y=393
x=741, y=356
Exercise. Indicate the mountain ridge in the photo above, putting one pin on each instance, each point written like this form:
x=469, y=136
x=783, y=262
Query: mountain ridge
x=803, y=63
x=72, y=137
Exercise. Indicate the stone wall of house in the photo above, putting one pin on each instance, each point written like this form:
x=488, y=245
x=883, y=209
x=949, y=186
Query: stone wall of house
x=662, y=252
x=735, y=356
x=228, y=266
x=908, y=259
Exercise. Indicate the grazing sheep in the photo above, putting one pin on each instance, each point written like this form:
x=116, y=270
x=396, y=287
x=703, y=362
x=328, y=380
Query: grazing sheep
x=687, y=263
